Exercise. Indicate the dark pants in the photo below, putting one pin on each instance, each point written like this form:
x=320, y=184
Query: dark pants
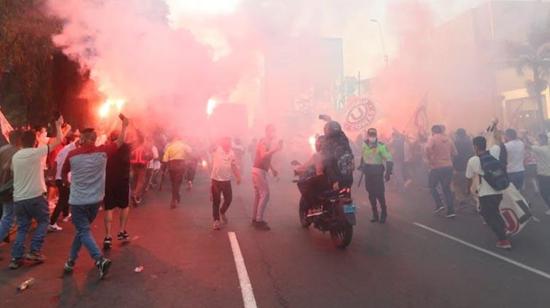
x=190, y=170
x=544, y=188
x=442, y=177
x=176, y=170
x=489, y=209
x=220, y=188
x=374, y=183
x=62, y=205
x=312, y=188
x=517, y=178
x=138, y=180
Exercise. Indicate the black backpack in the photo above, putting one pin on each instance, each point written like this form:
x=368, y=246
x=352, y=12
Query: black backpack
x=494, y=172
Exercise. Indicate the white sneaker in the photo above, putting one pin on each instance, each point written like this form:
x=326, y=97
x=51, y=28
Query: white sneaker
x=66, y=219
x=216, y=225
x=54, y=228
x=547, y=212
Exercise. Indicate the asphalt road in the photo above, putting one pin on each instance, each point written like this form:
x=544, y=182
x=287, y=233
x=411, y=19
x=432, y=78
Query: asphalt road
x=399, y=264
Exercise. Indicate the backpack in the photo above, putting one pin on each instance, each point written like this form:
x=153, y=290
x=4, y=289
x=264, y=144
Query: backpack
x=503, y=156
x=494, y=172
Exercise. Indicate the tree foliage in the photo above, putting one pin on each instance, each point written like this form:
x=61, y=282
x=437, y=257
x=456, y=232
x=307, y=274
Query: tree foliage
x=534, y=56
x=28, y=91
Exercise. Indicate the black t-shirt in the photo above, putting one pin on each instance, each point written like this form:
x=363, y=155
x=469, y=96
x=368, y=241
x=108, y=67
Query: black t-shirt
x=118, y=167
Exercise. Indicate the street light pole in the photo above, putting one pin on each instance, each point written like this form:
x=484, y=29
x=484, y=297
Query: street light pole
x=381, y=35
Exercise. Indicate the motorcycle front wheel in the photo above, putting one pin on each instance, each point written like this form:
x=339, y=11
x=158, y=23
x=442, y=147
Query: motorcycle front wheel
x=341, y=237
x=302, y=212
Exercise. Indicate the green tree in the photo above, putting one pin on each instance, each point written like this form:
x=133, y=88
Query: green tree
x=534, y=56
x=26, y=61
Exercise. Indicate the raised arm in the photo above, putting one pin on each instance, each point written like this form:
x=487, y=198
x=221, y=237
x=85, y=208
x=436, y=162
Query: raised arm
x=122, y=136
x=59, y=133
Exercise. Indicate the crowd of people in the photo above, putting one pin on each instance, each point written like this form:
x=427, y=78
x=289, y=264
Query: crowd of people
x=462, y=170
x=73, y=174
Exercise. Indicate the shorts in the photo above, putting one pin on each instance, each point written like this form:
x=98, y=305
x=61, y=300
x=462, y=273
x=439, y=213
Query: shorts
x=117, y=197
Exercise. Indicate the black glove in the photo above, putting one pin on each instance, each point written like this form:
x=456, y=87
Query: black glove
x=389, y=167
x=387, y=176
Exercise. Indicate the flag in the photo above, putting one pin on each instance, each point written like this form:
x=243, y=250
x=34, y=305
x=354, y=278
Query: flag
x=5, y=126
x=515, y=210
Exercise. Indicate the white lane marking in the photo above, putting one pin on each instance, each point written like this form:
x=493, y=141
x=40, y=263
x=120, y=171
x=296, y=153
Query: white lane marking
x=496, y=255
x=244, y=280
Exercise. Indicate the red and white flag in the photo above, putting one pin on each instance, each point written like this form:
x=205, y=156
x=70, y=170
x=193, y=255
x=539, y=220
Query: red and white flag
x=6, y=126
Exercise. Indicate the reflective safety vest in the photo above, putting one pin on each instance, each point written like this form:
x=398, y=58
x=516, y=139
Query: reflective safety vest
x=376, y=155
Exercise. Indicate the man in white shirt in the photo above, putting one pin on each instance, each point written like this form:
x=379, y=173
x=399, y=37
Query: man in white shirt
x=62, y=205
x=515, y=150
x=542, y=154
x=29, y=188
x=489, y=198
x=224, y=165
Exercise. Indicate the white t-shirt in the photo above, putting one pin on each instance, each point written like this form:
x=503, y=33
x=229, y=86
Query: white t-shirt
x=155, y=162
x=516, y=155
x=222, y=165
x=474, y=169
x=495, y=151
x=542, y=153
x=60, y=158
x=28, y=173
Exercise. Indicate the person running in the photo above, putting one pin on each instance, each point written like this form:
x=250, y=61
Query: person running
x=224, y=164
x=174, y=156
x=117, y=190
x=515, y=149
x=542, y=154
x=140, y=158
x=375, y=155
x=440, y=151
x=153, y=167
x=29, y=187
x=262, y=165
x=87, y=166
x=489, y=198
x=62, y=205
x=6, y=183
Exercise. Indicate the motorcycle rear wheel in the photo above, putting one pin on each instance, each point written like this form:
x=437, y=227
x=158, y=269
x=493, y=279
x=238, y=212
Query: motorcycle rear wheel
x=341, y=237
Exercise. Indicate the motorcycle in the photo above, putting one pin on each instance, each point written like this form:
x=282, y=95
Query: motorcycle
x=333, y=211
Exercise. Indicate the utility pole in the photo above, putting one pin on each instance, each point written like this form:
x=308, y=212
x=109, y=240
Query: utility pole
x=382, y=41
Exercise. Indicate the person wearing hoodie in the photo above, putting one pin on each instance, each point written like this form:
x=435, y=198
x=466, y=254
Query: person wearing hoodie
x=440, y=151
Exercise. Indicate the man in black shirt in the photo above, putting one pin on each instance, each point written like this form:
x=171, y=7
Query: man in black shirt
x=117, y=190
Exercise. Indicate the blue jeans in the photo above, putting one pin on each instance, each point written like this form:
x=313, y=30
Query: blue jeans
x=26, y=211
x=517, y=178
x=83, y=216
x=8, y=218
x=442, y=177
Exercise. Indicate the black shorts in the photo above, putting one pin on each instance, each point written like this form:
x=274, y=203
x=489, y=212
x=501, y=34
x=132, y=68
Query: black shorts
x=117, y=196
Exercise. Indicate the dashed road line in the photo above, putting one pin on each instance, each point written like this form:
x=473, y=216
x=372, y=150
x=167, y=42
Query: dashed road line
x=244, y=280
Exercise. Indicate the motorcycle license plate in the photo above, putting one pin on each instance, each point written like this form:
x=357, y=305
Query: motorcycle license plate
x=349, y=209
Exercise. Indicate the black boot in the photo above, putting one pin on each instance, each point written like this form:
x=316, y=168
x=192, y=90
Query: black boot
x=383, y=216
x=374, y=216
